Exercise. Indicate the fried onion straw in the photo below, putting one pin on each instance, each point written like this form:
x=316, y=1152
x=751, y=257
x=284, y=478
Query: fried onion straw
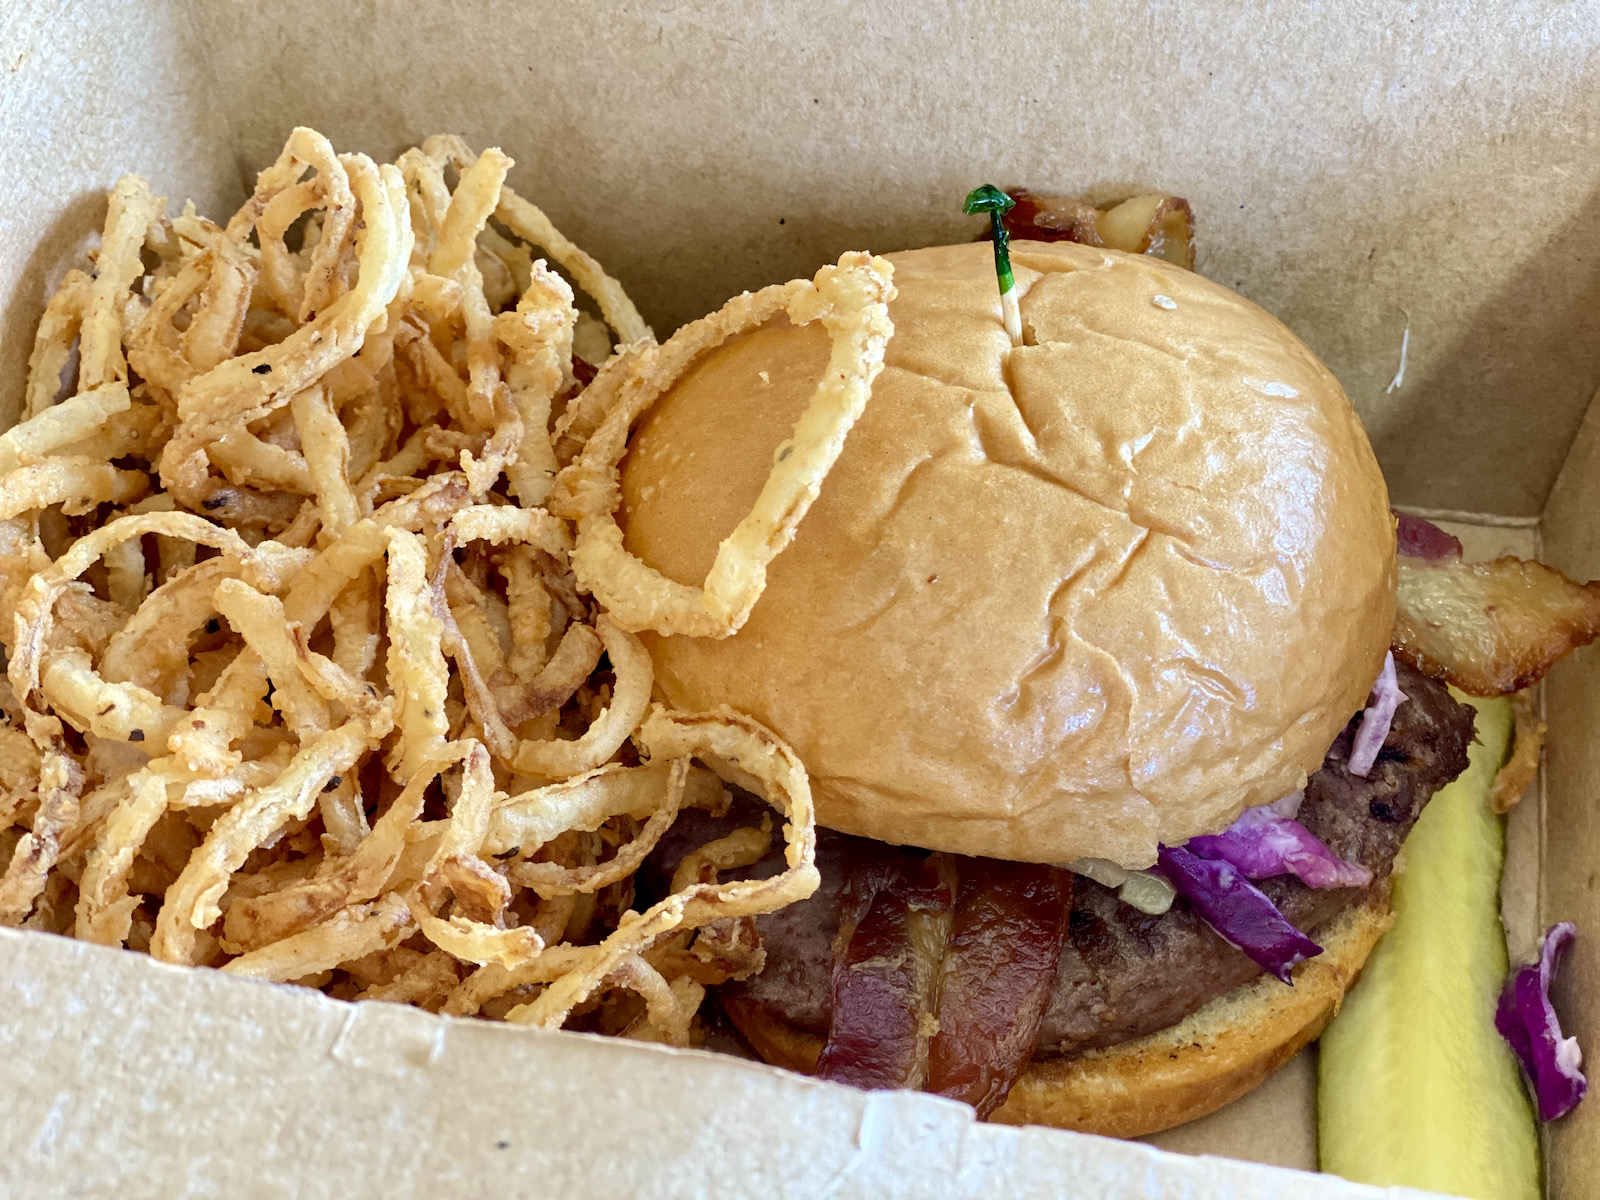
x=851, y=299
x=272, y=477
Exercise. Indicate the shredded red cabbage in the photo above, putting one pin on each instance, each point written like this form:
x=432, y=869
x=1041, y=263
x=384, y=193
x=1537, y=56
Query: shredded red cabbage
x=1423, y=539
x=1526, y=1019
x=1374, y=727
x=1263, y=843
x=1238, y=910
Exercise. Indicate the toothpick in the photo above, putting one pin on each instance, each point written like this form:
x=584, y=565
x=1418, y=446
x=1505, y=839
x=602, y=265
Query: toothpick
x=996, y=203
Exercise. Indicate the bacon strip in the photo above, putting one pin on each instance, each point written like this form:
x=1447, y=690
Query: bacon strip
x=1490, y=628
x=895, y=917
x=1158, y=225
x=999, y=968
x=942, y=970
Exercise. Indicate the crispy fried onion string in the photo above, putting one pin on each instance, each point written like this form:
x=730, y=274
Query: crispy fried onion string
x=722, y=736
x=271, y=478
x=548, y=879
x=238, y=390
x=852, y=301
x=253, y=922
x=529, y=223
x=191, y=901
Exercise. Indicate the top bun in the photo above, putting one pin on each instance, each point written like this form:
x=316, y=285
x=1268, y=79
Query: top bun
x=1072, y=599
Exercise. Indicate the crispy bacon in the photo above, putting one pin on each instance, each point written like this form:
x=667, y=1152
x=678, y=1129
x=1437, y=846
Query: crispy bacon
x=1045, y=218
x=1490, y=628
x=1157, y=225
x=895, y=916
x=999, y=967
x=1520, y=770
x=942, y=970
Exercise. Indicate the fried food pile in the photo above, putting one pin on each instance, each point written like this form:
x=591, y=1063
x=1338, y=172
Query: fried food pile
x=302, y=531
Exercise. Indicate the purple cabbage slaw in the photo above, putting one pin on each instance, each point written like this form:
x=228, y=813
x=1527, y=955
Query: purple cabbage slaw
x=1268, y=841
x=1237, y=910
x=1210, y=871
x=1375, y=720
x=1528, y=1021
x=1416, y=538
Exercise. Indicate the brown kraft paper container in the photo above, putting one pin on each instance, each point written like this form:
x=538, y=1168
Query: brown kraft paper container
x=1380, y=180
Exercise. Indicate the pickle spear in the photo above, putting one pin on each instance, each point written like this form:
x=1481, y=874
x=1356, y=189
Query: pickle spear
x=1416, y=1087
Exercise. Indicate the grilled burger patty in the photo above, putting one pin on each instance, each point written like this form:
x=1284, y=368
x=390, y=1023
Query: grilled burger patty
x=1123, y=973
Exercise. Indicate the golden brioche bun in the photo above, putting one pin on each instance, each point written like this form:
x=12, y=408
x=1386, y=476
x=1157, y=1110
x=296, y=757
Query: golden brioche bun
x=1098, y=592
x=1174, y=1075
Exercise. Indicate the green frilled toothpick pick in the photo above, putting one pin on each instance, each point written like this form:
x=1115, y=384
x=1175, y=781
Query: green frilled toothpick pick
x=990, y=199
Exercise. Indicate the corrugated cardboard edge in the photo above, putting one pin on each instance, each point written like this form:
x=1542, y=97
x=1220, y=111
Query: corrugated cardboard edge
x=122, y=1076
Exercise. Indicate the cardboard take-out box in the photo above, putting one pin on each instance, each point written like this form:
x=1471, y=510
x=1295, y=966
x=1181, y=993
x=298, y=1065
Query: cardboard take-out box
x=1415, y=192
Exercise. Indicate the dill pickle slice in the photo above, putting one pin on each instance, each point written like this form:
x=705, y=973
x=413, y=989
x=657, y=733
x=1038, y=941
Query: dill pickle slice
x=1416, y=1088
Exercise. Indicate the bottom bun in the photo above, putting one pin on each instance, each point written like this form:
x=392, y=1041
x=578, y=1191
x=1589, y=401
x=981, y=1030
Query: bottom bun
x=1177, y=1074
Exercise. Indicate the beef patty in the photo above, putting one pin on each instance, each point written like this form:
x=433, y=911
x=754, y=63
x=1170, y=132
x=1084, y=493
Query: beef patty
x=1124, y=973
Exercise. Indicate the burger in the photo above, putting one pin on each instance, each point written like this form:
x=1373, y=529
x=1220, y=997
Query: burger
x=1085, y=646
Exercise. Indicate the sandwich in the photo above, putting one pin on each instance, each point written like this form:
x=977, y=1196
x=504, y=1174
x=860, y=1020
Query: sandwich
x=1086, y=645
